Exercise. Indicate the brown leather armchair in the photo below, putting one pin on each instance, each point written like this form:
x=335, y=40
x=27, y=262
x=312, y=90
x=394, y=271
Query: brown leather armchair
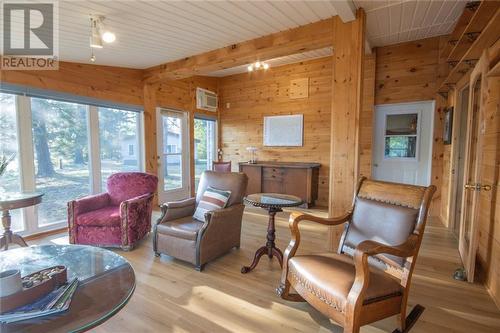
x=177, y=234
x=369, y=278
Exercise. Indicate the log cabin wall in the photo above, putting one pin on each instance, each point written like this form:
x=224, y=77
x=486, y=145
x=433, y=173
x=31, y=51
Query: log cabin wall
x=409, y=72
x=116, y=84
x=251, y=96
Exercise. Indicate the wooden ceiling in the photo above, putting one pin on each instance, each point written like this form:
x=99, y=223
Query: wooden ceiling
x=150, y=33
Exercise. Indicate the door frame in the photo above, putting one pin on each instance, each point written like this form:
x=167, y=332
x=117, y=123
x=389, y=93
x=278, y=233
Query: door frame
x=458, y=113
x=431, y=144
x=468, y=255
x=185, y=191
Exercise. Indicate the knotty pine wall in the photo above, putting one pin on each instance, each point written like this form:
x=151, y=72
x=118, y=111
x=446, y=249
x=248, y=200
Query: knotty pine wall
x=251, y=96
x=408, y=72
x=117, y=84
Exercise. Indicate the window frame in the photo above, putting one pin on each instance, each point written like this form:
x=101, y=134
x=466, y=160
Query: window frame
x=417, y=136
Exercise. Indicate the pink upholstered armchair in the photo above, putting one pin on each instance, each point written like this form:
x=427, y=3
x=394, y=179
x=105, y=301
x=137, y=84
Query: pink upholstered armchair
x=119, y=218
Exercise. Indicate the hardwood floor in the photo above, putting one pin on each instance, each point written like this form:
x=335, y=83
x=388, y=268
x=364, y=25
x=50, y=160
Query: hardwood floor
x=172, y=297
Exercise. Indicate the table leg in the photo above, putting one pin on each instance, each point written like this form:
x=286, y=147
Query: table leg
x=270, y=248
x=9, y=237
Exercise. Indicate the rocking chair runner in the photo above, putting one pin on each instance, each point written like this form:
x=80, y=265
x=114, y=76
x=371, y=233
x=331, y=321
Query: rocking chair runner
x=370, y=276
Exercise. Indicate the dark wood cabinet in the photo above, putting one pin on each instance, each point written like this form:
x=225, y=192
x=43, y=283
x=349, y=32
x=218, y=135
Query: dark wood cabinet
x=295, y=178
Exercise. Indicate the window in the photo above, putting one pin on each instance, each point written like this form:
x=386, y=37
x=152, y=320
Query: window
x=61, y=156
x=401, y=133
x=204, y=146
x=172, y=154
x=66, y=149
x=118, y=134
x=10, y=180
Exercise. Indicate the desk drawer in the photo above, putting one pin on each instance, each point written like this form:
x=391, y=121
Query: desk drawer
x=273, y=173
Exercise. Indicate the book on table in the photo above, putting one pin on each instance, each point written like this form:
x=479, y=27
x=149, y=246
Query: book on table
x=55, y=302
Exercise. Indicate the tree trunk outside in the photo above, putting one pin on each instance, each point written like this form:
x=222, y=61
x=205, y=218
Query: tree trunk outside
x=45, y=166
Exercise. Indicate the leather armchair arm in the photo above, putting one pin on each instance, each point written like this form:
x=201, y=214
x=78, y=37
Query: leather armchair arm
x=293, y=223
x=222, y=230
x=176, y=209
x=369, y=248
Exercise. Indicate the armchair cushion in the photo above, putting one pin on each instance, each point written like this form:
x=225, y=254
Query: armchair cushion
x=185, y=227
x=123, y=186
x=103, y=217
x=212, y=199
x=330, y=277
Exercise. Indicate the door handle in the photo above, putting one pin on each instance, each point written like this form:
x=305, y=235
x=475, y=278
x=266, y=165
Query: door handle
x=477, y=187
x=486, y=188
x=470, y=186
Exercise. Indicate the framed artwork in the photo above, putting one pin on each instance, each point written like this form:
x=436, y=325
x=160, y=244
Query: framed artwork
x=448, y=126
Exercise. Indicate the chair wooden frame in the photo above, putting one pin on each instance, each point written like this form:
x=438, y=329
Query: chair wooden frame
x=357, y=313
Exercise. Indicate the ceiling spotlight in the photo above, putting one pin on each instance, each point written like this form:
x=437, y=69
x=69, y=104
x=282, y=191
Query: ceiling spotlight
x=257, y=64
x=108, y=37
x=250, y=68
x=265, y=65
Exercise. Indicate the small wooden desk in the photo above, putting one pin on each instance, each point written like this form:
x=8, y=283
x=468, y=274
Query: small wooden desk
x=293, y=178
x=9, y=201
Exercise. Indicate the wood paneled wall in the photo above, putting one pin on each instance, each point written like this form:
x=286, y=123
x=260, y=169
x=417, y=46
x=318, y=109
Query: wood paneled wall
x=366, y=117
x=251, y=96
x=117, y=84
x=408, y=72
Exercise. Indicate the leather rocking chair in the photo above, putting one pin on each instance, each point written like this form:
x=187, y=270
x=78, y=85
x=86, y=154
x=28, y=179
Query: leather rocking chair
x=370, y=276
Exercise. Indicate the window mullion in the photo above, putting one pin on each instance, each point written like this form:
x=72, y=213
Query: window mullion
x=94, y=149
x=26, y=158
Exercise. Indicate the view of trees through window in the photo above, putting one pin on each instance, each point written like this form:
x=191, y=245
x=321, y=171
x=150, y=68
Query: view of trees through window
x=9, y=181
x=61, y=153
x=60, y=142
x=118, y=141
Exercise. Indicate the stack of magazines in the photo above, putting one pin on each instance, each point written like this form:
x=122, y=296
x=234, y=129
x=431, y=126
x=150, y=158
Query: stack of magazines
x=55, y=302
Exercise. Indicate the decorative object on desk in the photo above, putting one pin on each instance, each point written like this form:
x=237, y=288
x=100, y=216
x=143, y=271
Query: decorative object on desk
x=33, y=287
x=10, y=283
x=448, y=126
x=252, y=150
x=284, y=131
x=4, y=162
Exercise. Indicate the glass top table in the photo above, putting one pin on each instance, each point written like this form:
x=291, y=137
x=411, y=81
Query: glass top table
x=273, y=202
x=107, y=281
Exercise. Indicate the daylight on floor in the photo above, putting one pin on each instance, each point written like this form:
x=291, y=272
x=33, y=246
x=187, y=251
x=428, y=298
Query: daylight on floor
x=250, y=166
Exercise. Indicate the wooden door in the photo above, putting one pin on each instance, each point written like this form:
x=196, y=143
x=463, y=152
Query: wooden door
x=468, y=236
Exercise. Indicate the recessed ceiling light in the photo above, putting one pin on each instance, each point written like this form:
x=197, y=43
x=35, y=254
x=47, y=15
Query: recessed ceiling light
x=257, y=64
x=250, y=68
x=108, y=37
x=266, y=65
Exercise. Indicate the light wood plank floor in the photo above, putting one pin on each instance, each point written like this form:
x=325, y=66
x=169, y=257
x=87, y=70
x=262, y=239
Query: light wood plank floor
x=172, y=297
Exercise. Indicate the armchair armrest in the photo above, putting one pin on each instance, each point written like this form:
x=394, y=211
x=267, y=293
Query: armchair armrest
x=176, y=209
x=293, y=223
x=135, y=216
x=89, y=203
x=369, y=248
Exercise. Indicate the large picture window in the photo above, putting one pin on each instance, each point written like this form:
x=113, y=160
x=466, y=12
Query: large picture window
x=67, y=150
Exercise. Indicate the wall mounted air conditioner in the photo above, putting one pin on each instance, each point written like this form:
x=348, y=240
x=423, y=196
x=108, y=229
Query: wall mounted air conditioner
x=206, y=100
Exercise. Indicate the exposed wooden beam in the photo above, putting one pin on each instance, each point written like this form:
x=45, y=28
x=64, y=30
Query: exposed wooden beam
x=346, y=10
x=304, y=38
x=347, y=87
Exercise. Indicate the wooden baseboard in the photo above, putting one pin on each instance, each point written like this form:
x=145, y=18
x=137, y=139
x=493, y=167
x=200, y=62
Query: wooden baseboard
x=45, y=233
